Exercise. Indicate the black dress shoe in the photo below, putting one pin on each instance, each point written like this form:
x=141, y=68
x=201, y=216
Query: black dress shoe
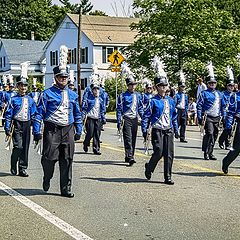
x=13, y=171
x=127, y=160
x=212, y=157
x=97, y=153
x=228, y=148
x=183, y=140
x=131, y=162
x=221, y=146
x=46, y=185
x=206, y=156
x=169, y=181
x=225, y=170
x=23, y=173
x=67, y=194
x=148, y=173
x=85, y=148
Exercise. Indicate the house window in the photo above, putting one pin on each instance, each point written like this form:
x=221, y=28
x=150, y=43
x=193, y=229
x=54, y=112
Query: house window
x=4, y=61
x=68, y=25
x=0, y=62
x=53, y=58
x=69, y=56
x=84, y=55
x=74, y=56
x=106, y=52
x=83, y=83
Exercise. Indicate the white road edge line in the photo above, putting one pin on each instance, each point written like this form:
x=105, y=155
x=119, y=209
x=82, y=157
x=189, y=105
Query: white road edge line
x=67, y=228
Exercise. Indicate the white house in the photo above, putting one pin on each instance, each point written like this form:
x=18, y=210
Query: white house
x=14, y=51
x=100, y=36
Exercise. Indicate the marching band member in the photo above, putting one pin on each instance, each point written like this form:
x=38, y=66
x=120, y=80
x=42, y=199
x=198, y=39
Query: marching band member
x=94, y=77
x=147, y=95
x=129, y=105
x=11, y=89
x=19, y=114
x=230, y=99
x=162, y=115
x=210, y=106
x=3, y=97
x=59, y=109
x=35, y=93
x=181, y=101
x=233, y=118
x=93, y=110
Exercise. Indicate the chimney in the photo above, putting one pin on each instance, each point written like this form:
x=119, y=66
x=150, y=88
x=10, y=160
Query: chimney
x=32, y=35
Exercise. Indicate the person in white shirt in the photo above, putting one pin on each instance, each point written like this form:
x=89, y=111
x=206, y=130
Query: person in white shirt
x=201, y=86
x=192, y=112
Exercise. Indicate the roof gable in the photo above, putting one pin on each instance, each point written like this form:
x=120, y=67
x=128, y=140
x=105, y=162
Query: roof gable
x=19, y=51
x=107, y=30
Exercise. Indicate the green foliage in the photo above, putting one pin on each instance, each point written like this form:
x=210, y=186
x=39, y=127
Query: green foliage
x=110, y=87
x=98, y=13
x=186, y=34
x=20, y=17
x=39, y=85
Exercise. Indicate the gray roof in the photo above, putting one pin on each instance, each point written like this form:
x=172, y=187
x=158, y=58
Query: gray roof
x=107, y=30
x=19, y=51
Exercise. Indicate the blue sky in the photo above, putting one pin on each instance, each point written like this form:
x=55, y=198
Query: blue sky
x=106, y=6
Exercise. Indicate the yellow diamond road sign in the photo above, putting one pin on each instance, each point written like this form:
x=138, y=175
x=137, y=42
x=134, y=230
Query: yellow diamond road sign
x=116, y=58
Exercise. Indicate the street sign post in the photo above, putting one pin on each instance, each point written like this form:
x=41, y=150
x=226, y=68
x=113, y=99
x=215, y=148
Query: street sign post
x=116, y=58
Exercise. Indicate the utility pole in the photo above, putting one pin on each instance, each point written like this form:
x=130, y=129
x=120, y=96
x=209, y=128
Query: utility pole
x=79, y=56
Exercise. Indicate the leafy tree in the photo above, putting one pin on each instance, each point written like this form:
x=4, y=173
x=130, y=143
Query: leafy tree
x=186, y=34
x=85, y=5
x=19, y=18
x=98, y=13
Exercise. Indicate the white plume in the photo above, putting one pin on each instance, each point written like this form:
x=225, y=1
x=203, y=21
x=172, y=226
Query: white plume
x=95, y=68
x=210, y=70
x=230, y=73
x=146, y=82
x=158, y=67
x=182, y=76
x=71, y=76
x=34, y=82
x=127, y=71
x=24, y=69
x=63, y=57
x=93, y=79
x=103, y=79
x=4, y=80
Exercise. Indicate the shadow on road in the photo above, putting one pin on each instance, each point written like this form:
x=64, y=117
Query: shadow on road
x=5, y=174
x=116, y=163
x=29, y=192
x=188, y=157
x=121, y=180
x=199, y=174
x=184, y=146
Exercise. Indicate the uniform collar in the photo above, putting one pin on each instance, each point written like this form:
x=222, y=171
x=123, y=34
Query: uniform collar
x=61, y=89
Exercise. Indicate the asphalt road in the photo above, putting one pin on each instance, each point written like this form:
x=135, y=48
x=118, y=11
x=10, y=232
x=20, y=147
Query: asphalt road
x=113, y=201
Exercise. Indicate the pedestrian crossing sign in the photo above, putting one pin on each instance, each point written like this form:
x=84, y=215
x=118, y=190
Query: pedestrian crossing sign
x=116, y=58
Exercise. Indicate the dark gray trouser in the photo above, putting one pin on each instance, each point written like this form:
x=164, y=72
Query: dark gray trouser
x=21, y=141
x=182, y=122
x=163, y=146
x=224, y=138
x=232, y=154
x=130, y=128
x=211, y=134
x=93, y=128
x=58, y=145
